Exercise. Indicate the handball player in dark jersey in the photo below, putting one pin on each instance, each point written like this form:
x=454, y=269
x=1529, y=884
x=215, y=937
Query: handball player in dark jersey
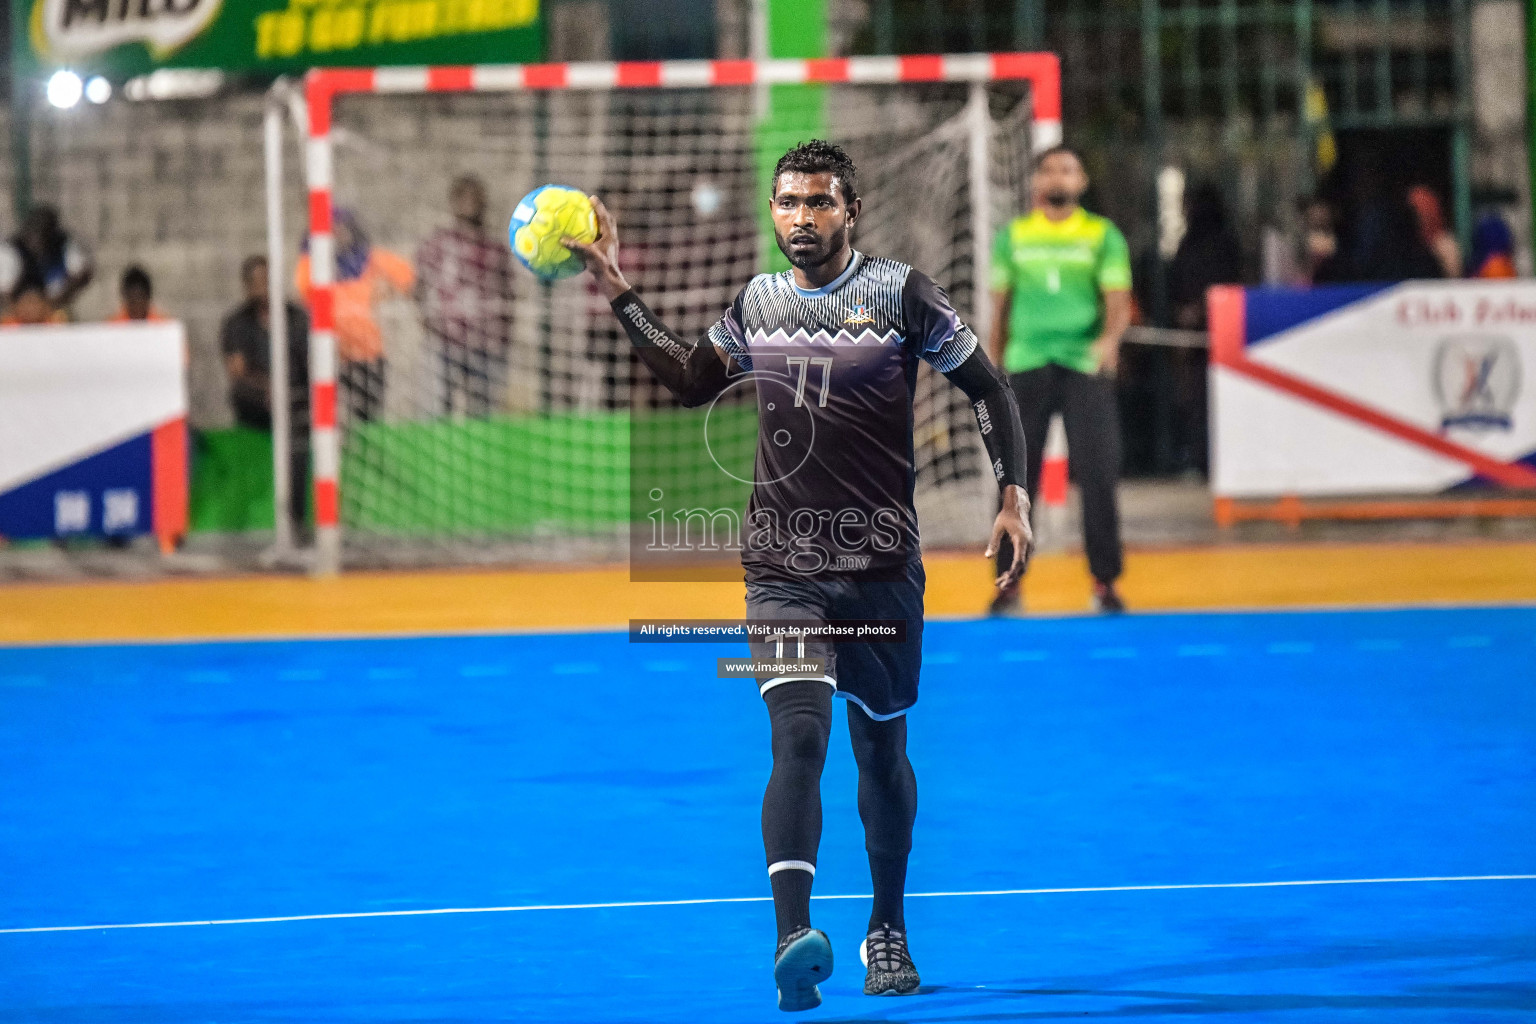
x=832, y=347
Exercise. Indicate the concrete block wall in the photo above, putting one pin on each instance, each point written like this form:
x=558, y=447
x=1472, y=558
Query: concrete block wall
x=176, y=187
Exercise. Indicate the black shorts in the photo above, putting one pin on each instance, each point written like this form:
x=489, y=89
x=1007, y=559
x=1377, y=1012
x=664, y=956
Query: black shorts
x=881, y=678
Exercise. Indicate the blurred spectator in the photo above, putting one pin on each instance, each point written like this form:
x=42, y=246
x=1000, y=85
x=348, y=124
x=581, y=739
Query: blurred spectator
x=465, y=291
x=1433, y=232
x=246, y=342
x=1208, y=255
x=42, y=255
x=1400, y=253
x=1322, y=261
x=365, y=276
x=1384, y=240
x=247, y=346
x=30, y=306
x=138, y=294
x=1493, y=249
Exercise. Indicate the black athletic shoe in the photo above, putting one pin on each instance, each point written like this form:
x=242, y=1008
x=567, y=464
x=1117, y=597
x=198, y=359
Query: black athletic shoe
x=803, y=961
x=890, y=968
x=1106, y=599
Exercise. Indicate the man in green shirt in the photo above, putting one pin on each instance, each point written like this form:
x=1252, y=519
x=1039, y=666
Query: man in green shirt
x=1061, y=293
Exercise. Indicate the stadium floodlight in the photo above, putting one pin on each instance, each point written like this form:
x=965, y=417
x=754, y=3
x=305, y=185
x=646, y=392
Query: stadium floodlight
x=98, y=90
x=65, y=89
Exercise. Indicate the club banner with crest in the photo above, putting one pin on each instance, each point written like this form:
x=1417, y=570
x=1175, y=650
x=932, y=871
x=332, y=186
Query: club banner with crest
x=1415, y=388
x=124, y=38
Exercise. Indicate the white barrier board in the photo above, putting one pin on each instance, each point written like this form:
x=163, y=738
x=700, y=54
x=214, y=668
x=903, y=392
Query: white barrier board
x=1409, y=389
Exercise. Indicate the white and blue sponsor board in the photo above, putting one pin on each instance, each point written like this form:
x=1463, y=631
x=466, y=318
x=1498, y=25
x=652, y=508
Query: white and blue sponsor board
x=93, y=430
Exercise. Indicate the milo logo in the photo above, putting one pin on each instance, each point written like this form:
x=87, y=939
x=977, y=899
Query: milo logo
x=76, y=28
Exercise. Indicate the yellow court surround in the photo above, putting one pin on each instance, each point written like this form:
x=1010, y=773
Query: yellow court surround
x=594, y=598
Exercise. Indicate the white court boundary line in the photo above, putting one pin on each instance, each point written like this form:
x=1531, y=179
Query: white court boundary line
x=755, y=899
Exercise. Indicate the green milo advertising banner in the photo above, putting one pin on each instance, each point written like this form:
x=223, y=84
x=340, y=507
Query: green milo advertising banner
x=124, y=38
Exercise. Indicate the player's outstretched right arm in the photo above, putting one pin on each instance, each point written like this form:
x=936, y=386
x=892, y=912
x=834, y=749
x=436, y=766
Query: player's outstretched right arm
x=695, y=373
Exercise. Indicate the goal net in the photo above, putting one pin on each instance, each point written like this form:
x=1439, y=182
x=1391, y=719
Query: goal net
x=467, y=412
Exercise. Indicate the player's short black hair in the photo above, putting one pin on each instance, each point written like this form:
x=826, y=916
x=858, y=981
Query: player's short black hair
x=819, y=156
x=137, y=277
x=1059, y=148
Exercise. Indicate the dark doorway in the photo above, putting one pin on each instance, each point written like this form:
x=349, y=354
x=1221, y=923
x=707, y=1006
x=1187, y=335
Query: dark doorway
x=1368, y=188
x=1399, y=157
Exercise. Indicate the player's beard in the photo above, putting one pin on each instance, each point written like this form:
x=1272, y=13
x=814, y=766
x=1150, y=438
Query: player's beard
x=810, y=259
x=1058, y=198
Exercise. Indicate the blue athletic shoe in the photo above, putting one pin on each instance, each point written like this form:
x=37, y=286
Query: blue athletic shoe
x=804, y=960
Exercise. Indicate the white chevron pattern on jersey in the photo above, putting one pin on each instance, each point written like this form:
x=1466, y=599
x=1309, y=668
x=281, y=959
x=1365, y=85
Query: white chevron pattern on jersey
x=778, y=339
x=781, y=314
x=874, y=285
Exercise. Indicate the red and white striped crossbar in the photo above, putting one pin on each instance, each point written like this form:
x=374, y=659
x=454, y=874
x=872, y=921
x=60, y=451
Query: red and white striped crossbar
x=1041, y=70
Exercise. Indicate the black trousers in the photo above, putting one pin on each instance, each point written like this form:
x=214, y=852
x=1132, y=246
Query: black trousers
x=1088, y=411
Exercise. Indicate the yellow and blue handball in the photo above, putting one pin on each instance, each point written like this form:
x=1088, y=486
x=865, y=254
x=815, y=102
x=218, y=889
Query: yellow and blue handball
x=546, y=215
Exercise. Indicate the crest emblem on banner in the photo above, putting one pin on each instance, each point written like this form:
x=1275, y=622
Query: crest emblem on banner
x=77, y=28
x=1477, y=381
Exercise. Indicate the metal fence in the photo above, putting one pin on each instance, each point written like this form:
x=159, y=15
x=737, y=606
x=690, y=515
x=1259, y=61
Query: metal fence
x=1261, y=97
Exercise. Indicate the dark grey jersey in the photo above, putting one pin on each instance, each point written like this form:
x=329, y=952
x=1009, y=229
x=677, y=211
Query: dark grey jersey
x=835, y=370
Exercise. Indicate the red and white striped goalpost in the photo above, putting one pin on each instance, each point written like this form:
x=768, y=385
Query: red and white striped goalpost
x=1041, y=70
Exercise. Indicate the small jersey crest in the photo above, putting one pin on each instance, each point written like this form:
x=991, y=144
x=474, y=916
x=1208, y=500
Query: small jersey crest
x=859, y=315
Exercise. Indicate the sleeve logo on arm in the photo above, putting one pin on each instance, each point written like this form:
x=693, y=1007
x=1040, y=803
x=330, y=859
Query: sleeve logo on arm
x=656, y=335
x=983, y=417
x=859, y=315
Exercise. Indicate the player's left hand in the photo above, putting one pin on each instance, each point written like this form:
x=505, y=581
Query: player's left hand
x=1013, y=521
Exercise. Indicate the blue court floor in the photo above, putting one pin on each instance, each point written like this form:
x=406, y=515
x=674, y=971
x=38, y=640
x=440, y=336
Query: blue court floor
x=214, y=781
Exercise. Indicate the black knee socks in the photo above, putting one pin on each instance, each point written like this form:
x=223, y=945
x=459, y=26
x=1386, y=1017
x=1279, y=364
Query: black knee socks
x=791, y=899
x=888, y=807
x=801, y=715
